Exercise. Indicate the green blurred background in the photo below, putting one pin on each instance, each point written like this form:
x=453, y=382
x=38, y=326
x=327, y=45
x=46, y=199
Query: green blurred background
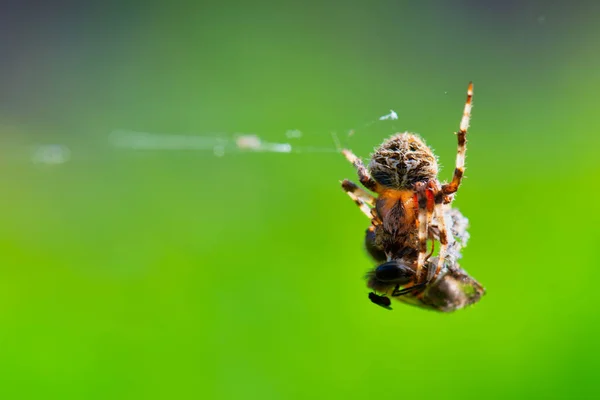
x=179, y=274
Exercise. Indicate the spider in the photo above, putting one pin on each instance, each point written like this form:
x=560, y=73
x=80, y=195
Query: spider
x=412, y=207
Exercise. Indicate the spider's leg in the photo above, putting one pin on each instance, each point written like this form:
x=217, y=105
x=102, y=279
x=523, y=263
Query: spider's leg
x=430, y=209
x=353, y=188
x=362, y=199
x=363, y=174
x=452, y=187
x=441, y=222
x=422, y=220
x=432, y=250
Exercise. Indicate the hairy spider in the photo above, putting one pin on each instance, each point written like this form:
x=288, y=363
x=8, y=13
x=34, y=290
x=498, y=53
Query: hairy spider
x=412, y=207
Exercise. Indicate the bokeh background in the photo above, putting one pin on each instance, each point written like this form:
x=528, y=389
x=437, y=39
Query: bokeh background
x=181, y=274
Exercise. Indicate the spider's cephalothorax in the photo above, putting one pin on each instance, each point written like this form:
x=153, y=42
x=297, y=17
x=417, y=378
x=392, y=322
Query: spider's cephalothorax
x=411, y=209
x=401, y=161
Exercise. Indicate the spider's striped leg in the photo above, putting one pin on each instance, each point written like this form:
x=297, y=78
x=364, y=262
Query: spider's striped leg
x=362, y=199
x=430, y=210
x=452, y=187
x=422, y=221
x=441, y=222
x=363, y=174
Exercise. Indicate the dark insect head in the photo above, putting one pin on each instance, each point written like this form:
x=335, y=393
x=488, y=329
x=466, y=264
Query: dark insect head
x=394, y=272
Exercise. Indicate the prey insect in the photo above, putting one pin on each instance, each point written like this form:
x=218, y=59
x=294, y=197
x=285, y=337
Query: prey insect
x=411, y=210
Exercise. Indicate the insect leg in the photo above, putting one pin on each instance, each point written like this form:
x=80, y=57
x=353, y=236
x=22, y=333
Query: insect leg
x=422, y=220
x=404, y=291
x=380, y=300
x=363, y=174
x=452, y=187
x=362, y=199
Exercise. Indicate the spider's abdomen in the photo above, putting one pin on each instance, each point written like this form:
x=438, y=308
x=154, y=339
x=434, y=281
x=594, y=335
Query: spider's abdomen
x=403, y=160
